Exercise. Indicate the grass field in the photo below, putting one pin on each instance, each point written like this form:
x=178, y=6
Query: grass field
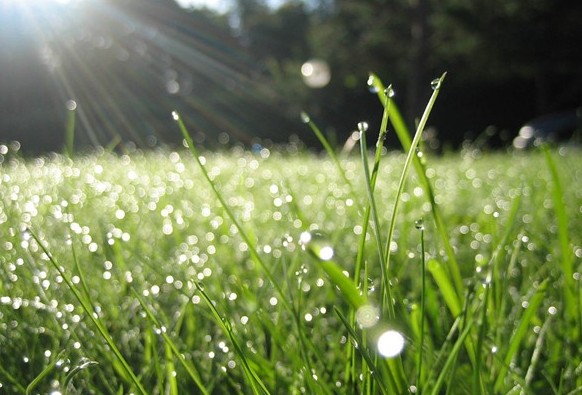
x=145, y=244
x=288, y=272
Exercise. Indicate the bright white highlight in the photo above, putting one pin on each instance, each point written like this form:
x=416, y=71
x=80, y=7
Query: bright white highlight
x=326, y=253
x=316, y=73
x=390, y=343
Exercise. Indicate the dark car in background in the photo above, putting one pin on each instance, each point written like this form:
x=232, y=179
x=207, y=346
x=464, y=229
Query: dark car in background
x=563, y=127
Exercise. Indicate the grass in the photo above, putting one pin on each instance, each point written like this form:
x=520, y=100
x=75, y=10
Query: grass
x=285, y=272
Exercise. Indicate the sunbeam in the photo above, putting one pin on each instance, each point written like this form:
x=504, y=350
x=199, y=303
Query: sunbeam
x=129, y=64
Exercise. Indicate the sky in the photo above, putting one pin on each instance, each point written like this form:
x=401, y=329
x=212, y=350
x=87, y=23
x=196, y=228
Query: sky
x=219, y=5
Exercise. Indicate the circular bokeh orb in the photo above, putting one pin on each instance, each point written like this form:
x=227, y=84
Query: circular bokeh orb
x=316, y=73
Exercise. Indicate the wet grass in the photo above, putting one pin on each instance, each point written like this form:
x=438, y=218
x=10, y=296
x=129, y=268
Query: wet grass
x=287, y=272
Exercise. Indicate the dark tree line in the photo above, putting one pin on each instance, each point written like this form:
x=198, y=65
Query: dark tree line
x=129, y=63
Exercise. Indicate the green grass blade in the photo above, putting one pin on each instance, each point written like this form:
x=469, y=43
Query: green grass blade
x=70, y=129
x=126, y=369
x=328, y=148
x=76, y=370
x=386, y=292
x=445, y=286
x=194, y=375
x=13, y=381
x=521, y=330
x=319, y=248
x=451, y=359
x=363, y=351
x=563, y=236
x=253, y=378
x=46, y=371
x=420, y=227
x=403, y=135
x=411, y=154
x=243, y=233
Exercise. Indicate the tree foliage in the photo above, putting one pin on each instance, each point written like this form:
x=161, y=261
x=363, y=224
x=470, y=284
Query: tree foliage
x=129, y=63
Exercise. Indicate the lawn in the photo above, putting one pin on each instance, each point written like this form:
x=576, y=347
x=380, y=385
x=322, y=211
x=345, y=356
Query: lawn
x=158, y=289
x=284, y=271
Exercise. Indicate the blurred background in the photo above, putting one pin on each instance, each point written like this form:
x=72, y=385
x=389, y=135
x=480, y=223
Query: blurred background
x=241, y=71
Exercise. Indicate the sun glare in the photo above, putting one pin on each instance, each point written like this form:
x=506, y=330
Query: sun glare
x=127, y=65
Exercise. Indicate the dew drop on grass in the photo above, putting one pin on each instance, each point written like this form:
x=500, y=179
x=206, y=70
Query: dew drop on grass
x=390, y=343
x=552, y=310
x=363, y=126
x=371, y=86
x=71, y=105
x=419, y=224
x=175, y=116
x=435, y=84
x=305, y=117
x=389, y=92
x=317, y=245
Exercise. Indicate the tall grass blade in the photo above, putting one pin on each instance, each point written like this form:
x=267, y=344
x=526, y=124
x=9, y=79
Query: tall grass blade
x=85, y=364
x=571, y=306
x=363, y=351
x=253, y=378
x=451, y=359
x=403, y=135
x=70, y=129
x=411, y=154
x=521, y=330
x=337, y=277
x=13, y=381
x=386, y=292
x=328, y=148
x=87, y=308
x=171, y=346
x=243, y=233
x=445, y=286
x=46, y=371
x=420, y=227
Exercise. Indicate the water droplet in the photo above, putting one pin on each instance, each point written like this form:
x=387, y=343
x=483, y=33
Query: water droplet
x=305, y=117
x=175, y=115
x=435, y=84
x=363, y=126
x=390, y=343
x=71, y=105
x=552, y=310
x=316, y=244
x=389, y=92
x=419, y=224
x=371, y=86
